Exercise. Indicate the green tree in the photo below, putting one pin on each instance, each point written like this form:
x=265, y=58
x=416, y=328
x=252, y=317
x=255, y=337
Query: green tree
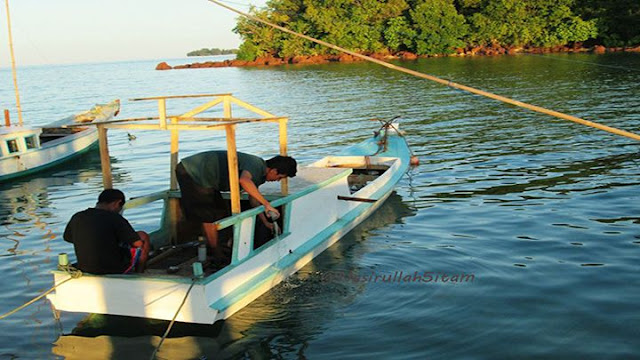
x=399, y=34
x=618, y=21
x=438, y=26
x=523, y=23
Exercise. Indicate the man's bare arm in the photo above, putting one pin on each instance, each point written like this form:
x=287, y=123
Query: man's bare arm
x=252, y=190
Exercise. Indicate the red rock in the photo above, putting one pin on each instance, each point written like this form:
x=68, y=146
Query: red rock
x=599, y=49
x=163, y=66
x=318, y=59
x=378, y=56
x=299, y=59
x=346, y=58
x=238, y=63
x=474, y=50
x=405, y=55
x=260, y=61
x=275, y=61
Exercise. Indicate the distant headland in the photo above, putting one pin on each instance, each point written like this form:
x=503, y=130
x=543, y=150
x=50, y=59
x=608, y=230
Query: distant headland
x=212, y=52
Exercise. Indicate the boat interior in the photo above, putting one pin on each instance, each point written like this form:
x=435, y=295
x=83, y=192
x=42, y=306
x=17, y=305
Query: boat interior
x=177, y=259
x=54, y=133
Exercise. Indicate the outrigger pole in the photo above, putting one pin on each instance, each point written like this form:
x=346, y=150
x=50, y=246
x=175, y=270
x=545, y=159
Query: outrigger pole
x=442, y=81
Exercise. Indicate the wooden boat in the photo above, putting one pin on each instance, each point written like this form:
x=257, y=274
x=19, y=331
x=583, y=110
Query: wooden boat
x=321, y=204
x=26, y=150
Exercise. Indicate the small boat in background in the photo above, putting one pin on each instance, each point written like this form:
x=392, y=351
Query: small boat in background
x=25, y=150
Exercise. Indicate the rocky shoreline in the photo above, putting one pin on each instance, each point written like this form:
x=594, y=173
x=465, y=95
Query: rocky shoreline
x=403, y=55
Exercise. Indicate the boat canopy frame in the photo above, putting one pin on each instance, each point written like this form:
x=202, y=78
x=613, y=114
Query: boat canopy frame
x=189, y=121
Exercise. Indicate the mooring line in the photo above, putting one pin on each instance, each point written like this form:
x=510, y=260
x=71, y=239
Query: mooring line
x=74, y=273
x=439, y=80
x=626, y=68
x=166, y=333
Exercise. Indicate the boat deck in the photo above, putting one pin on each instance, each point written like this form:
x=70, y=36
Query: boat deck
x=306, y=177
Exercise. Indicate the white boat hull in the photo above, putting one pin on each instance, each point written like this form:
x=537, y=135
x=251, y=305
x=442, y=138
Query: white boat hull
x=50, y=154
x=25, y=150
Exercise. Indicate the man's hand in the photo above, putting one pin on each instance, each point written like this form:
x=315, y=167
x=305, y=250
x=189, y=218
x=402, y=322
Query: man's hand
x=270, y=209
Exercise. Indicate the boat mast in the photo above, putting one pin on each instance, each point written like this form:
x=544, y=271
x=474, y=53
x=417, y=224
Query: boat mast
x=13, y=66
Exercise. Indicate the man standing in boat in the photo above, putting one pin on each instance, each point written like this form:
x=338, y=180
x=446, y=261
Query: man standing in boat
x=104, y=241
x=204, y=175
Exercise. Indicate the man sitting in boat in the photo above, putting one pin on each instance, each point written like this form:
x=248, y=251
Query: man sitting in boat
x=104, y=241
x=202, y=176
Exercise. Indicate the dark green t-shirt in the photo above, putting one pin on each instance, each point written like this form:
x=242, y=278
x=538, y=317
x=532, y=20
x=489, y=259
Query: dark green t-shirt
x=211, y=169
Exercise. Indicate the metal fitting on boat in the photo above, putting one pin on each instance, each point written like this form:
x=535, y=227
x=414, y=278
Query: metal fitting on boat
x=197, y=269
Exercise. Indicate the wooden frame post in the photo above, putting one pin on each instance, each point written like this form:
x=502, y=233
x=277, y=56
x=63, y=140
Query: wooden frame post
x=234, y=177
x=227, y=107
x=174, y=204
x=174, y=156
x=162, y=113
x=282, y=127
x=105, y=161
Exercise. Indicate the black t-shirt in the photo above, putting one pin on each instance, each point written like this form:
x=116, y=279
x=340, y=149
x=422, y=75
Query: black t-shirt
x=101, y=240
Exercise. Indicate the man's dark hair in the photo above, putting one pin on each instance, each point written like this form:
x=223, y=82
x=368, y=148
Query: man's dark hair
x=110, y=195
x=285, y=165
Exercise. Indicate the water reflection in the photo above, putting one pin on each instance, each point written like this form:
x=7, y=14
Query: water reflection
x=27, y=204
x=281, y=322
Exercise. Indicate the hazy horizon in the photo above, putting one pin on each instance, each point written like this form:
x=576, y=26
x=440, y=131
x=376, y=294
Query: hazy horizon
x=88, y=31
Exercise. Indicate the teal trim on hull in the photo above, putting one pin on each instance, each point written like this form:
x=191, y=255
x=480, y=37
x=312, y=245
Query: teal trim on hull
x=46, y=166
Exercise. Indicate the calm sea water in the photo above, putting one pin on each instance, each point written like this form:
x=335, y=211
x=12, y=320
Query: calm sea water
x=541, y=214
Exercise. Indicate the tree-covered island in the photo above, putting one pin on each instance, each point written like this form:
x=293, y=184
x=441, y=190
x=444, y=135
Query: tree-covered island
x=437, y=27
x=407, y=29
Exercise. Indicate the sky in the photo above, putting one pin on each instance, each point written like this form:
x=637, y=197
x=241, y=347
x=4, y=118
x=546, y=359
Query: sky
x=84, y=31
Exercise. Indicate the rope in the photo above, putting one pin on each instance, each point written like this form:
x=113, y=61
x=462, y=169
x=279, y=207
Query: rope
x=441, y=81
x=166, y=333
x=386, y=124
x=626, y=68
x=75, y=273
